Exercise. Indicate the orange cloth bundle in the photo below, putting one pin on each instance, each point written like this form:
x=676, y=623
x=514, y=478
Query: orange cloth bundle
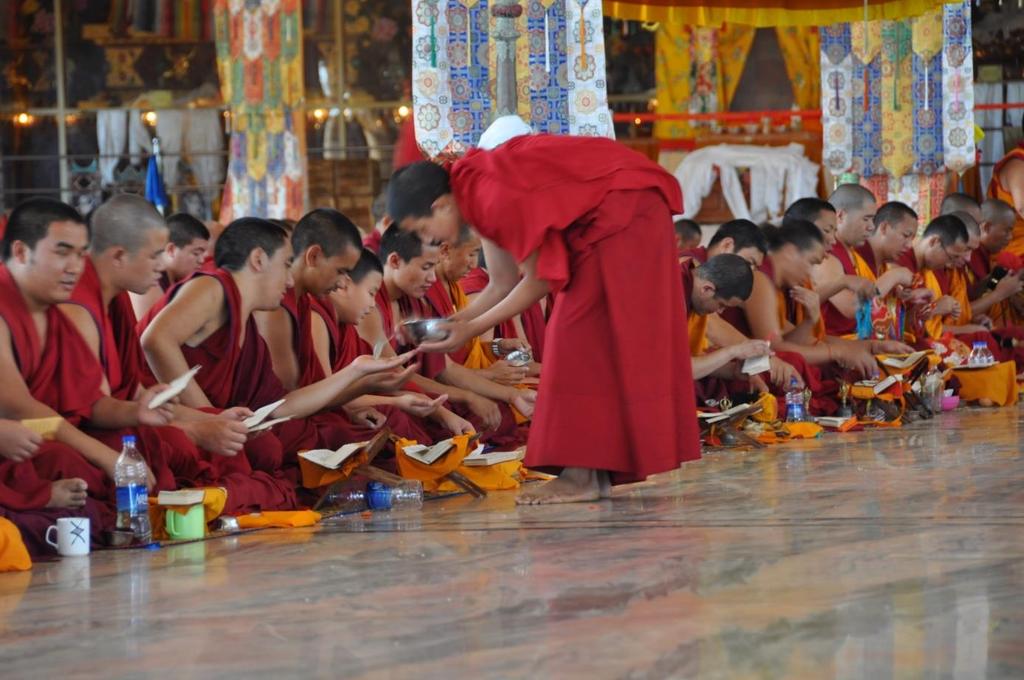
x=791, y=431
x=13, y=553
x=316, y=476
x=491, y=478
x=279, y=518
x=997, y=384
x=769, y=408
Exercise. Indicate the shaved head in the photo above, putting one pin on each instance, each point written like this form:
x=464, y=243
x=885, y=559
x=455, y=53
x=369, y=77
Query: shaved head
x=995, y=211
x=960, y=202
x=973, y=229
x=124, y=221
x=851, y=197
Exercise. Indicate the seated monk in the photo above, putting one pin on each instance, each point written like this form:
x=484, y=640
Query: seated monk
x=409, y=273
x=184, y=253
x=1007, y=184
x=208, y=321
x=527, y=328
x=855, y=213
x=303, y=335
x=895, y=226
x=446, y=297
x=688, y=235
x=944, y=244
x=201, y=449
x=1005, y=343
x=995, y=290
x=821, y=214
x=48, y=369
x=735, y=237
x=354, y=302
x=960, y=202
x=31, y=502
x=723, y=281
x=780, y=308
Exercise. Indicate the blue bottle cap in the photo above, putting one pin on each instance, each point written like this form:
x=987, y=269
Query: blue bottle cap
x=378, y=496
x=128, y=439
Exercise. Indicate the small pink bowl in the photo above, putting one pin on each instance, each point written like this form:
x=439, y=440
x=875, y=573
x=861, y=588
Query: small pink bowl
x=950, y=403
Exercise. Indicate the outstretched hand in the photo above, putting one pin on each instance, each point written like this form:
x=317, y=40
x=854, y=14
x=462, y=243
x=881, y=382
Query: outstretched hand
x=154, y=417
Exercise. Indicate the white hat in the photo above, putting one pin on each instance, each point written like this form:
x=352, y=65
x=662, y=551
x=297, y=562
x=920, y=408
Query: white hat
x=503, y=129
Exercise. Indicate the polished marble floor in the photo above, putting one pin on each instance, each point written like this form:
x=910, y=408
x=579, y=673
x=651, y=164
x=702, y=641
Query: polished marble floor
x=883, y=554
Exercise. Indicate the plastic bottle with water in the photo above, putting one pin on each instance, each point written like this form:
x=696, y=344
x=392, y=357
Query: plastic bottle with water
x=980, y=355
x=132, y=500
x=795, y=411
x=407, y=495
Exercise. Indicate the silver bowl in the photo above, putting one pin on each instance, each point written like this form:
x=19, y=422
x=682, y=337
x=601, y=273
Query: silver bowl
x=424, y=330
x=519, y=357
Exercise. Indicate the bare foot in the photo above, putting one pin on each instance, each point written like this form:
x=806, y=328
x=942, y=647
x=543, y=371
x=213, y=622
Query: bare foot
x=67, y=493
x=574, y=485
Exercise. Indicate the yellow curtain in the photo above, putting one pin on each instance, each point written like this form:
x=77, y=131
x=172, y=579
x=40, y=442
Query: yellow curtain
x=801, y=50
x=734, y=43
x=674, y=66
x=790, y=13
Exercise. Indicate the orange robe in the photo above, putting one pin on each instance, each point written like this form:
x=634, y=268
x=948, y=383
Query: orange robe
x=1003, y=193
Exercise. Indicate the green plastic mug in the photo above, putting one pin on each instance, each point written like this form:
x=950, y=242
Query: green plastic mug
x=189, y=525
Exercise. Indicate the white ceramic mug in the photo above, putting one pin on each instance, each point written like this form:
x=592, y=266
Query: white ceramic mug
x=72, y=536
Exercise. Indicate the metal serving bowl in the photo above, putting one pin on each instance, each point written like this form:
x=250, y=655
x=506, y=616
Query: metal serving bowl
x=424, y=330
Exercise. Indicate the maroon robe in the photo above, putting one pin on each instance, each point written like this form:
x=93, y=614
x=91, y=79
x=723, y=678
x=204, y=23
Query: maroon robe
x=172, y=456
x=618, y=390
x=837, y=323
x=700, y=254
x=63, y=374
x=237, y=371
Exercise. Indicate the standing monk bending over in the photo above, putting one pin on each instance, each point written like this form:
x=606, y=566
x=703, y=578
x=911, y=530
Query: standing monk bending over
x=578, y=216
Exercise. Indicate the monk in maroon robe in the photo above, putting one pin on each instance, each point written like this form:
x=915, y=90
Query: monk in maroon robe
x=49, y=368
x=409, y=273
x=208, y=321
x=202, y=448
x=303, y=336
x=183, y=254
x=592, y=222
x=33, y=503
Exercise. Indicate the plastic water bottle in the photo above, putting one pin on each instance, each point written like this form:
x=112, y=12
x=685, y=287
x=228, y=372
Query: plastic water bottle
x=795, y=411
x=132, y=500
x=976, y=358
x=407, y=495
x=986, y=355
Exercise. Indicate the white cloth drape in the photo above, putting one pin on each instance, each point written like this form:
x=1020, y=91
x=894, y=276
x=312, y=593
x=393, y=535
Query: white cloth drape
x=779, y=175
x=111, y=136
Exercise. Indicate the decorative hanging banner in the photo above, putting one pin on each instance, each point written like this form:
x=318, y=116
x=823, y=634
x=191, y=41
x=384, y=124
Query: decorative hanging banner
x=866, y=46
x=560, y=70
x=836, y=95
x=927, y=47
x=897, y=99
x=959, y=150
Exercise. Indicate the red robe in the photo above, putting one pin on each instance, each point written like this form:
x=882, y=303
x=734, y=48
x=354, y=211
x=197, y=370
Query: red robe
x=618, y=391
x=172, y=456
x=533, y=319
x=700, y=254
x=837, y=323
x=372, y=241
x=63, y=374
x=237, y=371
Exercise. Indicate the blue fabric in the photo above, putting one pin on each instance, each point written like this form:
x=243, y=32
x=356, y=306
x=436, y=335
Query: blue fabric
x=155, y=192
